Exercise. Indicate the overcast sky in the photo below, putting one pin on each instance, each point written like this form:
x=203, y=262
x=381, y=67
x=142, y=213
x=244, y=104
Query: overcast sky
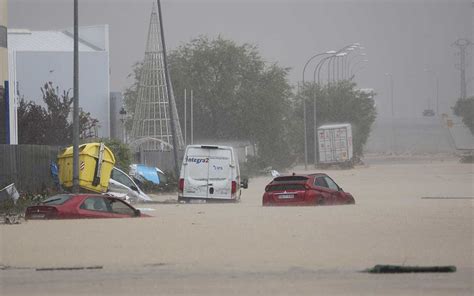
x=400, y=37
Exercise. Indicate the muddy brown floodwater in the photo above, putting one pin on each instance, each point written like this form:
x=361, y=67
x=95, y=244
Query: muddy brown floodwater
x=245, y=249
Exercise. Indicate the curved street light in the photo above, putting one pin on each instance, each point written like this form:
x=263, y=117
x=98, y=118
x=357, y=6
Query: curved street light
x=437, y=88
x=304, y=108
x=349, y=62
x=391, y=91
x=353, y=68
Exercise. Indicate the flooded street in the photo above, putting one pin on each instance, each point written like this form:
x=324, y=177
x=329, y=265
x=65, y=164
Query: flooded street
x=216, y=249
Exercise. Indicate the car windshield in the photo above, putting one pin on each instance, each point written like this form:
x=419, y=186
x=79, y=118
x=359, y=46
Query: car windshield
x=57, y=200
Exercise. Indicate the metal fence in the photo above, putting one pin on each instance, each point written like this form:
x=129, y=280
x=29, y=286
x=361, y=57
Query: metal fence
x=28, y=166
x=163, y=160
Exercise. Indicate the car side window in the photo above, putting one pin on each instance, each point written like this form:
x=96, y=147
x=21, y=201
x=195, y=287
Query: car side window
x=331, y=184
x=95, y=204
x=122, y=178
x=120, y=207
x=319, y=181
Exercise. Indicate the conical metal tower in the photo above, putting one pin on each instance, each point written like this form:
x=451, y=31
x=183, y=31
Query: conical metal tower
x=151, y=122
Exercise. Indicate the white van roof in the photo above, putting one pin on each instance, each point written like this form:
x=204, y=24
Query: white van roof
x=206, y=146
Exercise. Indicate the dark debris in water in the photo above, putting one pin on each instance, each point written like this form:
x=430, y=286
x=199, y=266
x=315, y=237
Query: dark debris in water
x=409, y=269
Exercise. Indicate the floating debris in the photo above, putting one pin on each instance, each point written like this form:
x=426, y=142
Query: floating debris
x=410, y=269
x=68, y=268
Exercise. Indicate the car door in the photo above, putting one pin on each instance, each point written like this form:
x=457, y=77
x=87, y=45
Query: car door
x=121, y=209
x=323, y=188
x=336, y=196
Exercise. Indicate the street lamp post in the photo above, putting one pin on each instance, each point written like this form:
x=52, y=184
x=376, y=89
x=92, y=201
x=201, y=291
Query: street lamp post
x=437, y=88
x=391, y=91
x=349, y=63
x=75, y=118
x=123, y=113
x=354, y=67
x=304, y=108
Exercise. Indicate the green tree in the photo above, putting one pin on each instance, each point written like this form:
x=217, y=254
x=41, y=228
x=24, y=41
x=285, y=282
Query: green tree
x=339, y=102
x=50, y=125
x=238, y=96
x=122, y=153
x=464, y=108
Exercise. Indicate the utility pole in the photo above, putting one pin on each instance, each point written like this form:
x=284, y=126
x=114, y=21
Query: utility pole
x=462, y=44
x=75, y=118
x=192, y=119
x=185, y=122
x=168, y=87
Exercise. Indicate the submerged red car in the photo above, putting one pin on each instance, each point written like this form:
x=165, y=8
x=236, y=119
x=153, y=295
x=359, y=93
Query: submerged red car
x=305, y=190
x=77, y=206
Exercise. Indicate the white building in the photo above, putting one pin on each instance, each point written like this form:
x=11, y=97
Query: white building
x=37, y=57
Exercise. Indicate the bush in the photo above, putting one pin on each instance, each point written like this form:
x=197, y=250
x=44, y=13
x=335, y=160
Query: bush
x=465, y=110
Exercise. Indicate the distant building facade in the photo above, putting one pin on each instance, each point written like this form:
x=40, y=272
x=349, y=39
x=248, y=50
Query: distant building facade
x=4, y=136
x=117, y=116
x=37, y=57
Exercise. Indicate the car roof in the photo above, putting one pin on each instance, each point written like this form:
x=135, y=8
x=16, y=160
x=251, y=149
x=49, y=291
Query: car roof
x=295, y=177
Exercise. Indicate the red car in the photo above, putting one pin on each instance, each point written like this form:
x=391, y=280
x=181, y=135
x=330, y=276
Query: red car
x=77, y=206
x=305, y=190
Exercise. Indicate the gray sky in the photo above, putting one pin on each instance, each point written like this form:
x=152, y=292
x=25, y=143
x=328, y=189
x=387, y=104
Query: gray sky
x=400, y=37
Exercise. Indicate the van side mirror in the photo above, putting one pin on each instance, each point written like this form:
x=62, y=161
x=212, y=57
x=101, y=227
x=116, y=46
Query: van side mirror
x=244, y=183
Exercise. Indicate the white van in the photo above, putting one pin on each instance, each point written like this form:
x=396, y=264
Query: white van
x=209, y=173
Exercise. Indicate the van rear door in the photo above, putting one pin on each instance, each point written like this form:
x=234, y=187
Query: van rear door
x=220, y=173
x=196, y=172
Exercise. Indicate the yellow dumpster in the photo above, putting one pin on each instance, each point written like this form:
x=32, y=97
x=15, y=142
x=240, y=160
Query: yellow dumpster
x=95, y=166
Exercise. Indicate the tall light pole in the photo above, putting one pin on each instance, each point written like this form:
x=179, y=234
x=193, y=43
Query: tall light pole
x=338, y=57
x=75, y=118
x=391, y=91
x=192, y=117
x=393, y=117
x=168, y=88
x=354, y=67
x=349, y=62
x=185, y=119
x=304, y=110
x=437, y=88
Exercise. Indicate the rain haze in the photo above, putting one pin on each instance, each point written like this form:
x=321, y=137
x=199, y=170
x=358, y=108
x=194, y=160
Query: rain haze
x=400, y=37
x=220, y=168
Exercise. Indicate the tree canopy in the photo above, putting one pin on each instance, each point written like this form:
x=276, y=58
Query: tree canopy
x=464, y=108
x=50, y=125
x=237, y=95
x=240, y=96
x=339, y=102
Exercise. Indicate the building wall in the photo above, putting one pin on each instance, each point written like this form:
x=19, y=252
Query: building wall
x=3, y=42
x=116, y=124
x=34, y=69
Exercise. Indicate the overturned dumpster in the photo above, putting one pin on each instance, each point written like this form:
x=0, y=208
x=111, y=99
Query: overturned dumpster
x=95, y=166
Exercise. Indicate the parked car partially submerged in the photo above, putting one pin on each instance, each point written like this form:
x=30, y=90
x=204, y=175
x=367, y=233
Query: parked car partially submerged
x=77, y=206
x=305, y=190
x=123, y=187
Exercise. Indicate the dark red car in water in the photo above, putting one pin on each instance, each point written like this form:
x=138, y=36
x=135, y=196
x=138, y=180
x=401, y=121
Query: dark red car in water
x=77, y=206
x=305, y=190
